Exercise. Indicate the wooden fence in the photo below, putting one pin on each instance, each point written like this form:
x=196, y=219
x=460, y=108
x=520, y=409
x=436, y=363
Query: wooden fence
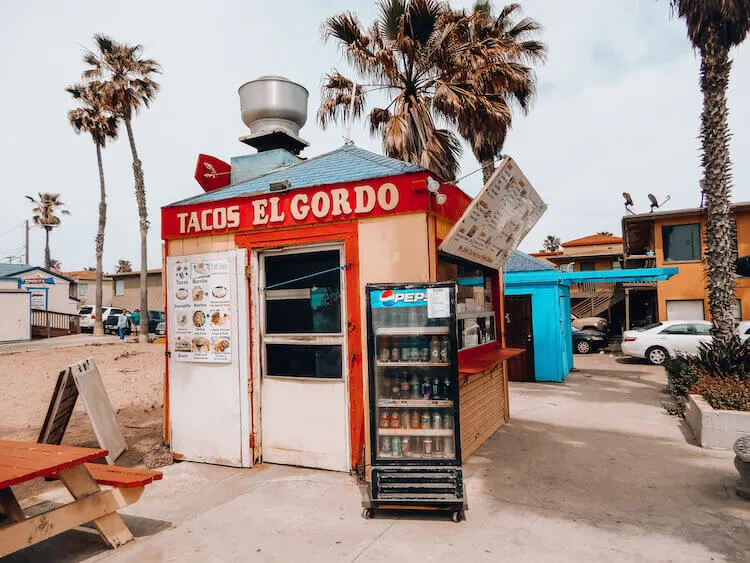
x=46, y=324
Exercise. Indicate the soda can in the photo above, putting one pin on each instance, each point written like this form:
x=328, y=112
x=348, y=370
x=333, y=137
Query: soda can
x=406, y=352
x=426, y=420
x=405, y=419
x=437, y=421
x=385, y=350
x=438, y=446
x=405, y=446
x=395, y=352
x=427, y=446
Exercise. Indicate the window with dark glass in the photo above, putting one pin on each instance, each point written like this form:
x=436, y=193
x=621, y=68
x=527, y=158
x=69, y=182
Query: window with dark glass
x=295, y=360
x=682, y=243
x=588, y=266
x=677, y=329
x=303, y=293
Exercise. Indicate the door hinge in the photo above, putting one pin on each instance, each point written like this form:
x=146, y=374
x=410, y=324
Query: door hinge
x=252, y=441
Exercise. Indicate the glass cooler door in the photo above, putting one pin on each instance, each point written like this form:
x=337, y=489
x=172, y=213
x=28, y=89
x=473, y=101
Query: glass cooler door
x=413, y=371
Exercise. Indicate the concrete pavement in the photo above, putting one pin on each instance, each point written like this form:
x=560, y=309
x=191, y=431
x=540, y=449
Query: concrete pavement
x=589, y=470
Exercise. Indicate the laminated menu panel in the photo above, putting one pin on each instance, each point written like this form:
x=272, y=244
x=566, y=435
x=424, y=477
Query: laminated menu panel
x=483, y=407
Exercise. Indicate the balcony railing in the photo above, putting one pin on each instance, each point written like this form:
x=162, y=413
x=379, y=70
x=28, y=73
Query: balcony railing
x=589, y=289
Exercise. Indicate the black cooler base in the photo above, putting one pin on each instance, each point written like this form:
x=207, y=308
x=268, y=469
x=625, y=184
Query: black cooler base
x=416, y=488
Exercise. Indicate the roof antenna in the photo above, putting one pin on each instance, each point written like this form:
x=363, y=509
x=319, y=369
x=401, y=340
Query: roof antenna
x=655, y=204
x=348, y=138
x=628, y=202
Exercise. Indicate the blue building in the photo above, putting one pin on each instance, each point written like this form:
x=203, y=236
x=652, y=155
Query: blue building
x=537, y=311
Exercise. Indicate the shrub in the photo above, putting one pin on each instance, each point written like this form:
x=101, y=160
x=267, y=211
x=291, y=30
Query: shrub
x=731, y=359
x=724, y=392
x=681, y=376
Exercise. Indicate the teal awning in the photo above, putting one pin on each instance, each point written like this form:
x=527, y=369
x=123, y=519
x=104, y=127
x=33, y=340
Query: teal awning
x=594, y=276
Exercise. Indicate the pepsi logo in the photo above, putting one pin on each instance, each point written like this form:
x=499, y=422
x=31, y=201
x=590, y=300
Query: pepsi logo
x=388, y=298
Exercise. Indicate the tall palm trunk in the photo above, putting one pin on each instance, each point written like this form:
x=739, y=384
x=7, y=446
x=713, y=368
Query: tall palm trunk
x=47, y=257
x=98, y=324
x=488, y=167
x=140, y=196
x=715, y=67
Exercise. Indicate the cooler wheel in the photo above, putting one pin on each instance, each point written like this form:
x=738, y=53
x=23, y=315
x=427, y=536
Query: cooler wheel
x=458, y=516
x=368, y=513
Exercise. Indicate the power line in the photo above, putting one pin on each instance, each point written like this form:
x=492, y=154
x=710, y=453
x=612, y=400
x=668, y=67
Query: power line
x=13, y=229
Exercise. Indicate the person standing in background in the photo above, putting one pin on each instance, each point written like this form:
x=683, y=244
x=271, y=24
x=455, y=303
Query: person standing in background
x=122, y=323
x=136, y=318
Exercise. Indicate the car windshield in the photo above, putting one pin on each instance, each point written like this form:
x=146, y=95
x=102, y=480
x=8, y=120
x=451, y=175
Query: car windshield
x=85, y=310
x=648, y=327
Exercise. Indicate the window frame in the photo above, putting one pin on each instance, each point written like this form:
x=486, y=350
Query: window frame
x=119, y=283
x=667, y=260
x=306, y=338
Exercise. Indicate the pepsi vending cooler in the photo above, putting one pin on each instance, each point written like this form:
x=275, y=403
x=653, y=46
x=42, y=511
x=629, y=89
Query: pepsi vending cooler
x=415, y=442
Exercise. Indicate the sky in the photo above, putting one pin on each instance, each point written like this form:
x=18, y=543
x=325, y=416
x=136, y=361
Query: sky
x=617, y=110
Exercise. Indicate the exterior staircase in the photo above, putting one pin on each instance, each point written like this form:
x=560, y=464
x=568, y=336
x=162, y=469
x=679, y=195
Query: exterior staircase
x=592, y=299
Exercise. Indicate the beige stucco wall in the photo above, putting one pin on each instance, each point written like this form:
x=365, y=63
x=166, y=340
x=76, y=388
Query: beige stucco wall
x=90, y=298
x=132, y=297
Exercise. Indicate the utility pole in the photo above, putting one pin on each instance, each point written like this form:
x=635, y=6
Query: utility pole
x=26, y=230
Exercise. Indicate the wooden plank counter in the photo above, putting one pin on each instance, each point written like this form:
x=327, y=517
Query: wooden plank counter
x=483, y=393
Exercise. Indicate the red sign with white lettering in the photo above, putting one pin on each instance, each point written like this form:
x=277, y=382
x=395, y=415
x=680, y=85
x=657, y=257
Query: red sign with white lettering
x=322, y=204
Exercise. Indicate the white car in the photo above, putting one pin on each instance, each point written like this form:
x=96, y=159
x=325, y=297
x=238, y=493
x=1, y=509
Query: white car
x=743, y=329
x=87, y=316
x=660, y=341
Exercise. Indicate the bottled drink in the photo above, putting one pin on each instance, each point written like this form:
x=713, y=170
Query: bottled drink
x=424, y=350
x=444, y=349
x=414, y=420
x=405, y=419
x=395, y=389
x=396, y=446
x=395, y=351
x=405, y=446
x=436, y=387
x=448, y=421
x=438, y=447
x=406, y=350
x=416, y=388
x=448, y=446
x=385, y=445
x=384, y=420
x=447, y=387
x=404, y=383
x=434, y=349
x=384, y=354
x=426, y=388
x=415, y=354
x=427, y=446
x=395, y=419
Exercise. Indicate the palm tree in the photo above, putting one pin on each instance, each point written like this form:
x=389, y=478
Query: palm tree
x=123, y=266
x=551, y=243
x=514, y=42
x=432, y=67
x=128, y=84
x=605, y=233
x=56, y=264
x=92, y=117
x=44, y=216
x=714, y=27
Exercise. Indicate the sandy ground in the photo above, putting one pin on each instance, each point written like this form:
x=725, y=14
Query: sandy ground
x=132, y=375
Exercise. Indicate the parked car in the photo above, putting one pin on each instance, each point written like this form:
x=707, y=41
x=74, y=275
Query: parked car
x=659, y=341
x=597, y=323
x=587, y=340
x=110, y=325
x=161, y=329
x=154, y=318
x=743, y=329
x=87, y=316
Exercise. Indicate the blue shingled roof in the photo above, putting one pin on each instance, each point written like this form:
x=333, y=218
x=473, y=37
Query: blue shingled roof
x=522, y=262
x=10, y=269
x=346, y=164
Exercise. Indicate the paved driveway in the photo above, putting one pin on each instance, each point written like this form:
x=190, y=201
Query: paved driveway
x=589, y=470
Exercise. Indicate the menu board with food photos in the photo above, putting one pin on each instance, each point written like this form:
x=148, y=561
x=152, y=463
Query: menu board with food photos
x=201, y=312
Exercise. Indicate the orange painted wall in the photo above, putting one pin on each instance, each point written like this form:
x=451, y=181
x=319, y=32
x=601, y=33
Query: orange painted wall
x=690, y=282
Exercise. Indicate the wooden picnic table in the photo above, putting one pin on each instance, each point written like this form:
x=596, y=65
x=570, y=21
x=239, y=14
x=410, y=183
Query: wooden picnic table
x=23, y=461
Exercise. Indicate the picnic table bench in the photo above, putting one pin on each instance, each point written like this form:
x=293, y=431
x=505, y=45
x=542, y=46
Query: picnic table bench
x=23, y=461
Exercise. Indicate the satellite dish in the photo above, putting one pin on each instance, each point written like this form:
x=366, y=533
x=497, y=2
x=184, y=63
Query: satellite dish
x=655, y=203
x=628, y=202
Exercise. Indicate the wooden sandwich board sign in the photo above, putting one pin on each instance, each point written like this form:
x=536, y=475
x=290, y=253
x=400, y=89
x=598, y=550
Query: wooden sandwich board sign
x=83, y=378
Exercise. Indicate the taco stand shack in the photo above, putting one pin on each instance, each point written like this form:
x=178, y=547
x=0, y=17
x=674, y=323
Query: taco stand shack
x=289, y=383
